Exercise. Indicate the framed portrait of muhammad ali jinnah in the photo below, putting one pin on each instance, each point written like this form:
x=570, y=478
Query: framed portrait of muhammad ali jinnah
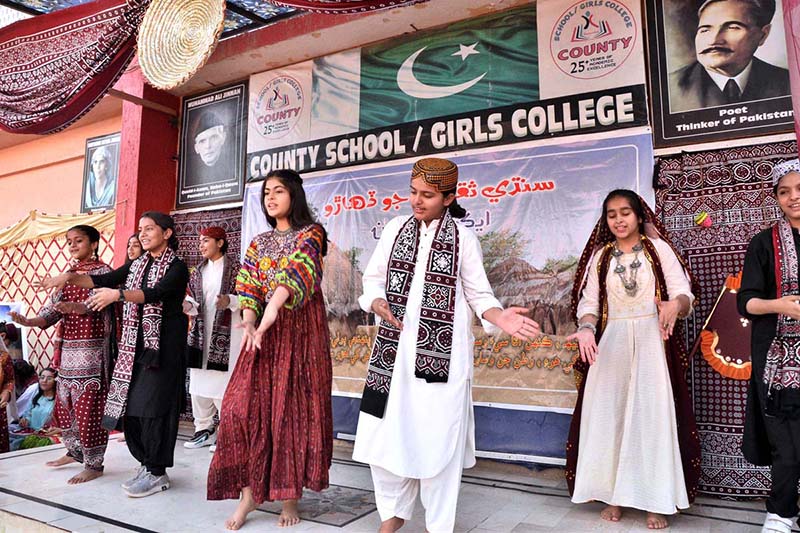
x=213, y=126
x=718, y=70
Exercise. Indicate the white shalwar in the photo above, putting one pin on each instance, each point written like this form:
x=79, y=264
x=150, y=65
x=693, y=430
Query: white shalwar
x=427, y=432
x=628, y=452
x=207, y=387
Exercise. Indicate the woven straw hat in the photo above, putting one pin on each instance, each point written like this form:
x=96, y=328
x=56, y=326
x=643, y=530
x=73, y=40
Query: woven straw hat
x=177, y=38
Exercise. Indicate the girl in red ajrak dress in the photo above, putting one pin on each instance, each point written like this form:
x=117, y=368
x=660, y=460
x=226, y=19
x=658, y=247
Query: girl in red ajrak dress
x=84, y=361
x=276, y=429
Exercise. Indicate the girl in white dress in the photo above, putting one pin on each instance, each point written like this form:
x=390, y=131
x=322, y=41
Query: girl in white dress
x=633, y=440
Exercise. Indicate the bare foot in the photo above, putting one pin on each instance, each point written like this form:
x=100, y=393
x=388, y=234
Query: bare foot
x=289, y=515
x=612, y=513
x=61, y=461
x=246, y=506
x=86, y=475
x=391, y=525
x=656, y=521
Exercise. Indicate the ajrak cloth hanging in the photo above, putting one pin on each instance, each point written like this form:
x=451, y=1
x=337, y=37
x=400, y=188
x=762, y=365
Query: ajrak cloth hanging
x=343, y=6
x=55, y=67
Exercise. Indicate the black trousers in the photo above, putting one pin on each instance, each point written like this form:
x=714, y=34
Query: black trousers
x=151, y=441
x=784, y=439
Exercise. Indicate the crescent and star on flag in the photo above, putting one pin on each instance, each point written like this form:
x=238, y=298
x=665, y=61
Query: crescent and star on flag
x=410, y=85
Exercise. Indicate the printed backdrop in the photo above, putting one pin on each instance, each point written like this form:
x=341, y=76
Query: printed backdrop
x=512, y=76
x=734, y=188
x=532, y=208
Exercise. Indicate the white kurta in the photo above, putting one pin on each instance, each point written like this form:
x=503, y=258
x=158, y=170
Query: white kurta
x=416, y=436
x=628, y=451
x=212, y=383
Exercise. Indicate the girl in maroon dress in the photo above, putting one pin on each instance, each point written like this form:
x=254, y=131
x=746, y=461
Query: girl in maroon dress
x=82, y=352
x=276, y=430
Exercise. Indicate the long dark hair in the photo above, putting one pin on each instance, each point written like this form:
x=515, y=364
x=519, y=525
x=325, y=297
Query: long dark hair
x=456, y=211
x=300, y=214
x=40, y=392
x=128, y=260
x=633, y=200
x=164, y=222
x=91, y=233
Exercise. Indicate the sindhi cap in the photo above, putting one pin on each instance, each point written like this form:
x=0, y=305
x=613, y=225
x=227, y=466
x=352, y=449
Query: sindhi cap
x=441, y=174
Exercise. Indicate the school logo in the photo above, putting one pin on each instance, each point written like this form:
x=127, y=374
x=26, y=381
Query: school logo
x=593, y=38
x=278, y=107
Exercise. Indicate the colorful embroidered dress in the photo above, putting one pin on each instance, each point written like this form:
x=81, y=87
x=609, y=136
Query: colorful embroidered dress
x=82, y=385
x=276, y=431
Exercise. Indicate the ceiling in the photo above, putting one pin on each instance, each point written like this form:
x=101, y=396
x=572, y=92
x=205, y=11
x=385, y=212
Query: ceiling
x=291, y=37
x=240, y=15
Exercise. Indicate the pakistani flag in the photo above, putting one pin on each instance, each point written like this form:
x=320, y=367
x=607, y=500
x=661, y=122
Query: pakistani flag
x=477, y=64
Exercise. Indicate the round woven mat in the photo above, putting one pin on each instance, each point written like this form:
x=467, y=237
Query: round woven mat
x=177, y=38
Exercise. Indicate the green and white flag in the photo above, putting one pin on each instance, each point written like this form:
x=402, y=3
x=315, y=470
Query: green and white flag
x=477, y=64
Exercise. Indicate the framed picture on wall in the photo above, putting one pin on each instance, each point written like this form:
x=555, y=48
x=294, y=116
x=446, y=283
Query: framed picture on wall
x=212, y=147
x=718, y=70
x=17, y=346
x=100, y=171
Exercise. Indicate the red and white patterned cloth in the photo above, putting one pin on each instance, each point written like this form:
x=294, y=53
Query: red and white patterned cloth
x=55, y=67
x=735, y=188
x=343, y=6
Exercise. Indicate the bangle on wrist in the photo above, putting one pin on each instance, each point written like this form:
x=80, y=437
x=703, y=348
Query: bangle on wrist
x=588, y=325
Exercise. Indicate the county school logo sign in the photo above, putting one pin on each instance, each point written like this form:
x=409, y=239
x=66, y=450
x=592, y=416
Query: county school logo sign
x=278, y=107
x=593, y=38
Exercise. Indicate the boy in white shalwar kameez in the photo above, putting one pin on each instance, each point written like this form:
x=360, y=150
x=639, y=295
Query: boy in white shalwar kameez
x=424, y=281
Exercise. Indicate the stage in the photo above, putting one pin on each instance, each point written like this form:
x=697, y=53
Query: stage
x=495, y=497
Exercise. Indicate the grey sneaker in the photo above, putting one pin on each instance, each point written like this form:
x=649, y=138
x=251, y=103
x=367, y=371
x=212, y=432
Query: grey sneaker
x=148, y=484
x=126, y=485
x=212, y=448
x=201, y=438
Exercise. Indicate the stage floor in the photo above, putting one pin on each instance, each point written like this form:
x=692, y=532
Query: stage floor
x=494, y=497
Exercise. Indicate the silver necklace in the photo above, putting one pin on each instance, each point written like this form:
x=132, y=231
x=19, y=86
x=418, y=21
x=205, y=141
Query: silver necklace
x=628, y=280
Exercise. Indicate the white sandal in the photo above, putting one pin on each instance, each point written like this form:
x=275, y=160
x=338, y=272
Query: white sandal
x=777, y=524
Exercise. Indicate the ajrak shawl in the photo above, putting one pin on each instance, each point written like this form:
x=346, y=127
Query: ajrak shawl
x=219, y=348
x=435, y=334
x=150, y=319
x=782, y=371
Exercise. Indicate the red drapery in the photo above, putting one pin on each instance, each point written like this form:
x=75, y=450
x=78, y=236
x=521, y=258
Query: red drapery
x=343, y=6
x=56, y=67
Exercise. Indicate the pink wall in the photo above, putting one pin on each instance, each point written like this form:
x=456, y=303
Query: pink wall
x=791, y=23
x=46, y=173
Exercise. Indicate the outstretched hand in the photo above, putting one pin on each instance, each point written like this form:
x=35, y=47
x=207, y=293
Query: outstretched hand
x=381, y=308
x=513, y=322
x=789, y=306
x=102, y=298
x=251, y=339
x=667, y=316
x=19, y=319
x=71, y=308
x=587, y=345
x=46, y=283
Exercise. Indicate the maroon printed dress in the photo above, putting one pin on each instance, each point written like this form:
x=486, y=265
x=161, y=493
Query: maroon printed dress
x=84, y=346
x=276, y=429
